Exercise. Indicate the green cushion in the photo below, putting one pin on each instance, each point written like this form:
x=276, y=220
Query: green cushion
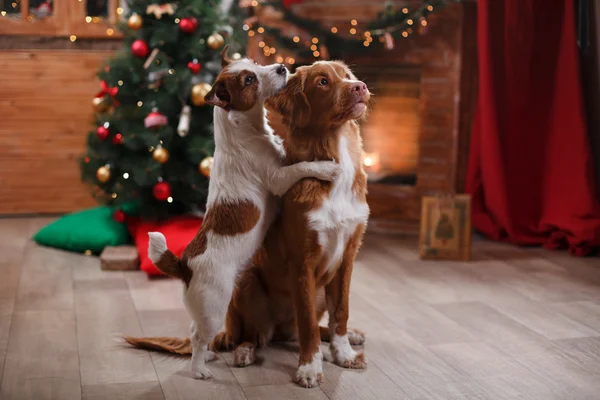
x=91, y=229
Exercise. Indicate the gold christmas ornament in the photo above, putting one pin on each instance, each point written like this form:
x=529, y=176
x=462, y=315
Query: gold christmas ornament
x=215, y=41
x=205, y=166
x=199, y=90
x=135, y=22
x=100, y=104
x=103, y=174
x=161, y=155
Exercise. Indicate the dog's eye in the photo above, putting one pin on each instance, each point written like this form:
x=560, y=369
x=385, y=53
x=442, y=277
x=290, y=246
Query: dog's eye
x=248, y=80
x=347, y=76
x=323, y=82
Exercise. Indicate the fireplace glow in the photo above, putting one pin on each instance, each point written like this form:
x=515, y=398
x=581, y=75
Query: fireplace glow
x=372, y=165
x=371, y=161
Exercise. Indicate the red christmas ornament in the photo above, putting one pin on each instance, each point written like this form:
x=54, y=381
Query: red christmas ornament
x=139, y=48
x=106, y=90
x=119, y=216
x=188, y=24
x=118, y=139
x=161, y=191
x=194, y=66
x=155, y=119
x=86, y=160
x=102, y=132
x=288, y=3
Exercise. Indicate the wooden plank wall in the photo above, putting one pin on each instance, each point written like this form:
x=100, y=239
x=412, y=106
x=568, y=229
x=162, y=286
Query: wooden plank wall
x=45, y=114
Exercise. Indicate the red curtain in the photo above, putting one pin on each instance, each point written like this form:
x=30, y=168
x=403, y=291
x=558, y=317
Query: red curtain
x=530, y=169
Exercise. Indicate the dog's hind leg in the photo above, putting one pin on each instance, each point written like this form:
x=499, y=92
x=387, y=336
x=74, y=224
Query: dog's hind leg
x=199, y=354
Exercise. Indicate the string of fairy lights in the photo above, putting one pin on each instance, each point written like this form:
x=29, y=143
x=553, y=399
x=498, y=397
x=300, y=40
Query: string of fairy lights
x=345, y=38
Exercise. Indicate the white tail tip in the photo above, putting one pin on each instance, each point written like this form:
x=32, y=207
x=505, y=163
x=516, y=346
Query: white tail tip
x=157, y=246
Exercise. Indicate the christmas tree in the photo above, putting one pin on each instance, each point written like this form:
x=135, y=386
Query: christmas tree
x=152, y=141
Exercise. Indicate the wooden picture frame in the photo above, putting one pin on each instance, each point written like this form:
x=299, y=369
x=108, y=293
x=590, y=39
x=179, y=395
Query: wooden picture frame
x=445, y=228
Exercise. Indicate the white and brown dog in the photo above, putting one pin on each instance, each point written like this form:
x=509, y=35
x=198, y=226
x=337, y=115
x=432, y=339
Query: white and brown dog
x=247, y=172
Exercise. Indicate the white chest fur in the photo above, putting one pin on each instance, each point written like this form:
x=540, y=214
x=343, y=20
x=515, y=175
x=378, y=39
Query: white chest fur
x=339, y=215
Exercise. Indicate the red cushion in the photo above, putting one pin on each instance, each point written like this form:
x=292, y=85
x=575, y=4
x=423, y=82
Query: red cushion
x=179, y=231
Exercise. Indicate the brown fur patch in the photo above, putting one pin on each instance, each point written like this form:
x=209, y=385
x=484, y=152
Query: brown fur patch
x=231, y=218
x=198, y=244
x=166, y=344
x=224, y=219
x=173, y=266
x=233, y=91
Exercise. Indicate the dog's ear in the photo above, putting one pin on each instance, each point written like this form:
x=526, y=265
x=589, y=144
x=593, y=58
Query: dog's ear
x=291, y=101
x=225, y=60
x=219, y=96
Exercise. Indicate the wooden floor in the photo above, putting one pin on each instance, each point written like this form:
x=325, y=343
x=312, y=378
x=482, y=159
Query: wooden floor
x=512, y=324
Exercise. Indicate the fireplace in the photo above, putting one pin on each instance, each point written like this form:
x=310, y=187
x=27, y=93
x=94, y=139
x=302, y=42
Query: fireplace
x=391, y=134
x=416, y=137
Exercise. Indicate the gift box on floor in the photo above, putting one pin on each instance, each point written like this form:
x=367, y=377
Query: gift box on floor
x=445, y=228
x=120, y=258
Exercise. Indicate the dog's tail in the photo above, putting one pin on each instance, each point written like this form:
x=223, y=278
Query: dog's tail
x=163, y=258
x=182, y=346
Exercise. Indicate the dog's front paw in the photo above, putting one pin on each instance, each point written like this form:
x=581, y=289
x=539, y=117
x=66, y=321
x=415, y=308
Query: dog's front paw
x=311, y=374
x=356, y=337
x=201, y=372
x=328, y=170
x=356, y=360
x=344, y=355
x=244, y=356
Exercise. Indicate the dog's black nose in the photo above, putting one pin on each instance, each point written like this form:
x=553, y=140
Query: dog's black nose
x=281, y=70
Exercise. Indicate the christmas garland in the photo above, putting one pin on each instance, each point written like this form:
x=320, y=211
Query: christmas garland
x=330, y=42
